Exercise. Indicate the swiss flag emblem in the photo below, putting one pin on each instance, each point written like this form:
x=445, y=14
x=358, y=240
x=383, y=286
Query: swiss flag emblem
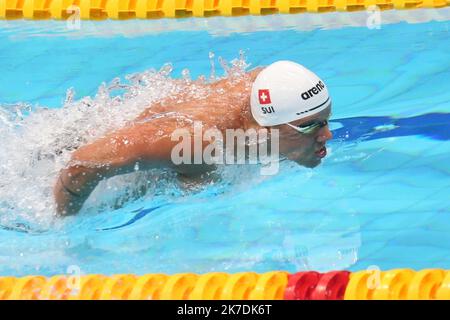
x=264, y=96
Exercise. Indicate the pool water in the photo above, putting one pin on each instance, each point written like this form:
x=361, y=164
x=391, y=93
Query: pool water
x=380, y=199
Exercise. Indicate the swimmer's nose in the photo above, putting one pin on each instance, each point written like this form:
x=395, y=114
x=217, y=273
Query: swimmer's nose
x=324, y=134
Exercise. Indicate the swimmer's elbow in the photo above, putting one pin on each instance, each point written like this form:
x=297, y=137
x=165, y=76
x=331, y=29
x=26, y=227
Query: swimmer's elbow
x=64, y=201
x=73, y=187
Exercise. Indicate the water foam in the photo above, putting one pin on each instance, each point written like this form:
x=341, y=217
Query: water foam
x=37, y=141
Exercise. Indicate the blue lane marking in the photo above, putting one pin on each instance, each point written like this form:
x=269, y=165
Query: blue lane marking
x=141, y=213
x=432, y=125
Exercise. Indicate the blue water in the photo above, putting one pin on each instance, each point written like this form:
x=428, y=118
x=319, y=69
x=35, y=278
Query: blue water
x=381, y=197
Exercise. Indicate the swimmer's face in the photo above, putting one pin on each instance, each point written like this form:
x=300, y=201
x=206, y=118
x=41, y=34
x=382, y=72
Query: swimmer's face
x=306, y=149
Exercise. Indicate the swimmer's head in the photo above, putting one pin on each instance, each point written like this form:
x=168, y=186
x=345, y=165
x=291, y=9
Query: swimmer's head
x=286, y=91
x=291, y=98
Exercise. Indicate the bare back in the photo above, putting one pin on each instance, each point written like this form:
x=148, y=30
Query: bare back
x=224, y=106
x=148, y=139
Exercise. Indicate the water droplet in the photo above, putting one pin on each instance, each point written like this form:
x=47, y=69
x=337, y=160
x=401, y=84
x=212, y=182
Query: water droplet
x=212, y=75
x=70, y=93
x=186, y=75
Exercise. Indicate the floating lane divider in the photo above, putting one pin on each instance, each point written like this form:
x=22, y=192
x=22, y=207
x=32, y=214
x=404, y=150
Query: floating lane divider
x=398, y=284
x=154, y=9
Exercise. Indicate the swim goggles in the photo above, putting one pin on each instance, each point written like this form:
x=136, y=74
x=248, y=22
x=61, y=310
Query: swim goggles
x=310, y=127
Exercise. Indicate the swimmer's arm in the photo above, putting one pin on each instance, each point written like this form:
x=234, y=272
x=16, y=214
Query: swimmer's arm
x=115, y=154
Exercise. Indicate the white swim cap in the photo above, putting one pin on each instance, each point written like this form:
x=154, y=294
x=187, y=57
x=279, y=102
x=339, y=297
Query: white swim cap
x=286, y=91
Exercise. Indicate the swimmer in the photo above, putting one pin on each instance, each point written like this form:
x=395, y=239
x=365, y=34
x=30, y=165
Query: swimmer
x=284, y=96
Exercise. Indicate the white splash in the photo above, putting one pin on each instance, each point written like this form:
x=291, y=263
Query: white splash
x=37, y=141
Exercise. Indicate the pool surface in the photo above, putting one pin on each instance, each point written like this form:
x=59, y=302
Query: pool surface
x=380, y=199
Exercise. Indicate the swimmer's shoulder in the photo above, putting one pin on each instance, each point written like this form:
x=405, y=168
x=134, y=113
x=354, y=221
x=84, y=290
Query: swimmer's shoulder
x=254, y=73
